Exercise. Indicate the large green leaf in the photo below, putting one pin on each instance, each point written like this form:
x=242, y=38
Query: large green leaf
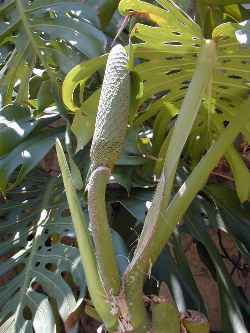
x=165, y=50
x=40, y=274
x=27, y=155
x=15, y=124
x=52, y=35
x=42, y=278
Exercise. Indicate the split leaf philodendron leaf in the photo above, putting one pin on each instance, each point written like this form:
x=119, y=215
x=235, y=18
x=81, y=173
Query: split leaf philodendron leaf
x=40, y=272
x=48, y=35
x=43, y=283
x=165, y=49
x=27, y=155
x=15, y=124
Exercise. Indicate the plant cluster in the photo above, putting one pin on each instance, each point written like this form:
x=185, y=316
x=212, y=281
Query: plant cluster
x=164, y=98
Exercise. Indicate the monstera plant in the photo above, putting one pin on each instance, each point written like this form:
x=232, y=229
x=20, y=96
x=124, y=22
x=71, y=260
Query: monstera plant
x=180, y=90
x=37, y=264
x=40, y=41
x=175, y=70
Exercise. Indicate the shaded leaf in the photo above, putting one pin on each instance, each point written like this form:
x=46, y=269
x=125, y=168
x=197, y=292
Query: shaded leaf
x=16, y=123
x=46, y=271
x=27, y=155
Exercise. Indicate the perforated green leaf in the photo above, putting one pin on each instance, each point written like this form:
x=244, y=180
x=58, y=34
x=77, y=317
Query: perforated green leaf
x=27, y=155
x=53, y=35
x=42, y=277
x=15, y=124
x=165, y=48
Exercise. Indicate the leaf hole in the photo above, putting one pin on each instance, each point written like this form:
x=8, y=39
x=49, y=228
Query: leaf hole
x=196, y=45
x=217, y=110
x=30, y=237
x=186, y=82
x=173, y=71
x=27, y=313
x=179, y=99
x=174, y=43
x=235, y=77
x=245, y=62
x=51, y=267
x=204, y=215
x=142, y=60
x=174, y=58
x=162, y=93
x=225, y=123
x=177, y=33
x=48, y=242
x=37, y=287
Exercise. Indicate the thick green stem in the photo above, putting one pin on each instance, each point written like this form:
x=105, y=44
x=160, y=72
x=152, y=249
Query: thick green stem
x=169, y=217
x=165, y=318
x=100, y=230
x=95, y=287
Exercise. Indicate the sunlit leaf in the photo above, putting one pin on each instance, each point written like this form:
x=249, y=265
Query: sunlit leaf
x=53, y=35
x=27, y=155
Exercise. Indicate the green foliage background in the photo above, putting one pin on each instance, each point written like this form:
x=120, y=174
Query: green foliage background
x=52, y=56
